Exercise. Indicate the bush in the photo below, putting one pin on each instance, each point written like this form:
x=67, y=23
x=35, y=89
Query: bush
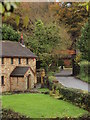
x=84, y=67
x=11, y=115
x=78, y=97
x=8, y=33
x=84, y=70
x=51, y=78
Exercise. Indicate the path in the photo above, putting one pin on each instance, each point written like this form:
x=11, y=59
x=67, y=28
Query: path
x=65, y=78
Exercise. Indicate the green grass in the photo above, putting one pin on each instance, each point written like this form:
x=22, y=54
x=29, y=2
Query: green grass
x=40, y=106
x=43, y=89
x=84, y=78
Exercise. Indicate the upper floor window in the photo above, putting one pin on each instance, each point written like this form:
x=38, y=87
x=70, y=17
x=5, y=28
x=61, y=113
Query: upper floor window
x=2, y=80
x=11, y=60
x=19, y=61
x=26, y=60
x=2, y=60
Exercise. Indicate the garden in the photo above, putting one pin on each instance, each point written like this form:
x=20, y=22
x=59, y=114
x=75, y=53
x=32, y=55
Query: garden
x=41, y=106
x=47, y=29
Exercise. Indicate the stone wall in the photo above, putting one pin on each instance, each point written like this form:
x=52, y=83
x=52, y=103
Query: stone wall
x=20, y=83
x=7, y=68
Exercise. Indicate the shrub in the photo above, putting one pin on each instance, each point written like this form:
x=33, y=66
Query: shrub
x=8, y=33
x=84, y=70
x=84, y=67
x=11, y=115
x=78, y=97
x=51, y=78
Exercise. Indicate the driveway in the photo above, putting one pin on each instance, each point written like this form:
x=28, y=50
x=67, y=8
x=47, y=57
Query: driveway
x=65, y=78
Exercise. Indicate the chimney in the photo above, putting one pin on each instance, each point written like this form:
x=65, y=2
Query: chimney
x=21, y=40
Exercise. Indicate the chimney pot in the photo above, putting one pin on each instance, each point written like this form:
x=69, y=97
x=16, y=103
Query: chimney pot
x=21, y=40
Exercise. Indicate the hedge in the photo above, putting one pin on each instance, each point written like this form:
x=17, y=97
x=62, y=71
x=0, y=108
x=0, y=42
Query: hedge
x=77, y=97
x=84, y=67
x=11, y=115
x=84, y=71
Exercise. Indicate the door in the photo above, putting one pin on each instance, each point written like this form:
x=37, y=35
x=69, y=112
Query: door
x=28, y=82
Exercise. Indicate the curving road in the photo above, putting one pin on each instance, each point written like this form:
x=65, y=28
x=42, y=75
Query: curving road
x=65, y=78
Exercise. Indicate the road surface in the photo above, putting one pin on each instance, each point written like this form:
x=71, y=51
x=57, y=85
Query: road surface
x=66, y=79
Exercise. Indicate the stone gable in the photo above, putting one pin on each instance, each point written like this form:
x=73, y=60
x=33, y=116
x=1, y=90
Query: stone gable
x=7, y=68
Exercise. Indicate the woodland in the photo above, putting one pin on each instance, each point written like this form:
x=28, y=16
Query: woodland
x=48, y=28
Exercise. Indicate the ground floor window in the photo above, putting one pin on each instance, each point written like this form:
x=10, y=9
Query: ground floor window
x=2, y=80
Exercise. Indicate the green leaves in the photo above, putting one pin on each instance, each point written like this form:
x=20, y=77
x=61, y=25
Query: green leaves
x=25, y=21
x=83, y=42
x=17, y=19
x=86, y=5
x=8, y=33
x=6, y=8
x=43, y=41
x=1, y=8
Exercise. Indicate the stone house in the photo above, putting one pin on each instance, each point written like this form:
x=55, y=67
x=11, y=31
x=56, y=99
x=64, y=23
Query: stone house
x=17, y=67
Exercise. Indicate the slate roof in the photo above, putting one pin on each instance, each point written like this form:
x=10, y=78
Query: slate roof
x=19, y=71
x=14, y=49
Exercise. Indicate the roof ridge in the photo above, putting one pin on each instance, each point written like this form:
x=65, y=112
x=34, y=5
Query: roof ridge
x=15, y=49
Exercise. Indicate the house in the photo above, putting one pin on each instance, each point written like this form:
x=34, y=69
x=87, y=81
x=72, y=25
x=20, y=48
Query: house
x=17, y=67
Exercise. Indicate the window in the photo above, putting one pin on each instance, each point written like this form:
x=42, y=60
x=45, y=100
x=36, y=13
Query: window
x=26, y=60
x=2, y=60
x=19, y=61
x=11, y=60
x=2, y=80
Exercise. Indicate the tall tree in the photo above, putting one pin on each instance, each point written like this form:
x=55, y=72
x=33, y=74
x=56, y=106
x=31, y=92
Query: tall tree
x=45, y=40
x=84, y=41
x=73, y=16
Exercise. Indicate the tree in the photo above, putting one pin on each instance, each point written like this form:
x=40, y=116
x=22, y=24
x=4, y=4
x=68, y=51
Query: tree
x=6, y=8
x=73, y=17
x=84, y=41
x=8, y=33
x=45, y=40
x=27, y=14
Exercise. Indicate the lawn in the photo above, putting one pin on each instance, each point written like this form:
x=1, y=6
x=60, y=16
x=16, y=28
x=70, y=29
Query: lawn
x=43, y=90
x=40, y=106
